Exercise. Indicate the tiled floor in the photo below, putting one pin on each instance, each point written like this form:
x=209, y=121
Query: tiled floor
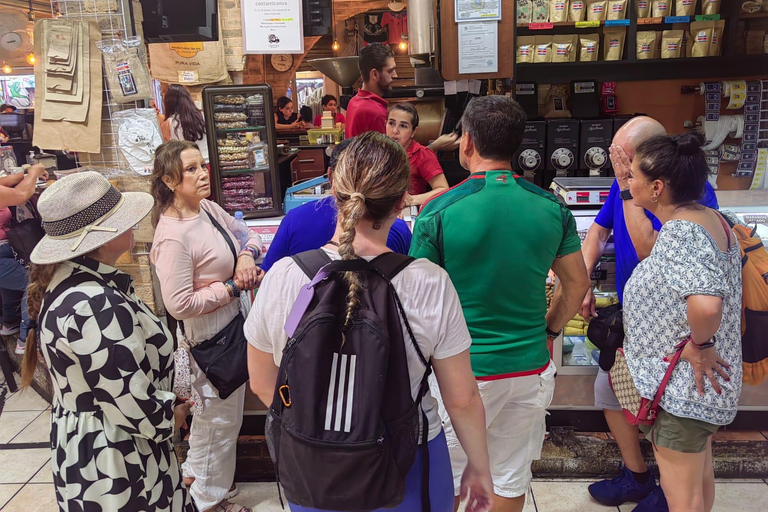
x=26, y=482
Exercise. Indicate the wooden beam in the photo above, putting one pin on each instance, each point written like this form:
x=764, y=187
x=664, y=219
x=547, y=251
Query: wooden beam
x=345, y=9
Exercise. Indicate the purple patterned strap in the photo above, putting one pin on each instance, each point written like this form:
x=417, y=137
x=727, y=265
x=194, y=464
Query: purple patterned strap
x=302, y=302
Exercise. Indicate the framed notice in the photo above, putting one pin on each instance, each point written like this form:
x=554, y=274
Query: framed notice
x=477, y=10
x=272, y=26
x=478, y=48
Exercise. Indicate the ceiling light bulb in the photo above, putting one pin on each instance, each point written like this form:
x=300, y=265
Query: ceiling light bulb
x=403, y=45
x=335, y=47
x=7, y=69
x=31, y=59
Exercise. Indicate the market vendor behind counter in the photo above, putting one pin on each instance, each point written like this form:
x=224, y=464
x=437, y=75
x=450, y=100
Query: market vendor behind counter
x=286, y=119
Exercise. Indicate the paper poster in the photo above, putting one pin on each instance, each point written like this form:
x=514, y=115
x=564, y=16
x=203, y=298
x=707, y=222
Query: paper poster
x=478, y=48
x=272, y=26
x=477, y=10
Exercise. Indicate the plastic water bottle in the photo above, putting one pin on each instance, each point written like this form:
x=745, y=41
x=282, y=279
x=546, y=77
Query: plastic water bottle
x=240, y=229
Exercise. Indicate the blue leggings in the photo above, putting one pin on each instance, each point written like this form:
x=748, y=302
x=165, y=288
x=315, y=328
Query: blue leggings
x=440, y=482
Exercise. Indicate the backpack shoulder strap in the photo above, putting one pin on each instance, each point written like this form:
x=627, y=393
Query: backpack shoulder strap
x=391, y=263
x=311, y=261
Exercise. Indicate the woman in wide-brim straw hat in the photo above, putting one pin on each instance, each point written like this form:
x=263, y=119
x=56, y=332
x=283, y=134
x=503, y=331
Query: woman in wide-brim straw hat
x=110, y=357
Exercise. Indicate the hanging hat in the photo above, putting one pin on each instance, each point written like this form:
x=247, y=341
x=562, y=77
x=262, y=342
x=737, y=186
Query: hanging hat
x=82, y=212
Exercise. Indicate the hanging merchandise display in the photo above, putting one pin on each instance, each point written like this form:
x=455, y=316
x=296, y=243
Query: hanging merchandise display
x=374, y=31
x=713, y=162
x=188, y=63
x=397, y=26
x=126, y=66
x=716, y=132
x=609, y=105
x=68, y=83
x=736, y=91
x=138, y=135
x=748, y=159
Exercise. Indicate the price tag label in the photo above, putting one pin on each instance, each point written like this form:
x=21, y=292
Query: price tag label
x=616, y=23
x=541, y=26
x=707, y=17
x=588, y=24
x=650, y=21
x=187, y=77
x=677, y=19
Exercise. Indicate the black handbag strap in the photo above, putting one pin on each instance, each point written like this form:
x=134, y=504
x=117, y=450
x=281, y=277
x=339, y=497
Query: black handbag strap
x=226, y=236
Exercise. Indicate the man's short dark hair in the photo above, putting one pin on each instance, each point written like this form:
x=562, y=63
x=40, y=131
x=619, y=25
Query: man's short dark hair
x=373, y=56
x=337, y=152
x=6, y=106
x=496, y=125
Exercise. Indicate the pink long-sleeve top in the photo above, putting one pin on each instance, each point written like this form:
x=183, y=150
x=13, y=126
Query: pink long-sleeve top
x=192, y=261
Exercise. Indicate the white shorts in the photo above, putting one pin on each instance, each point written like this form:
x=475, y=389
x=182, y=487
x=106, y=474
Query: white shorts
x=515, y=411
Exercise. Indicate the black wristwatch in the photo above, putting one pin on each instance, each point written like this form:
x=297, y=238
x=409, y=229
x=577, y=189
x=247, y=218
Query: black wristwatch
x=625, y=194
x=551, y=333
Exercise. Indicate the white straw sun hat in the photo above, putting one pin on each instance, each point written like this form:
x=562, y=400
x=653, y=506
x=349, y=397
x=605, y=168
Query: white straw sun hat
x=82, y=212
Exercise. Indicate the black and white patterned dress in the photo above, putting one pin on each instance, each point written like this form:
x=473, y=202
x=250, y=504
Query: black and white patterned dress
x=111, y=362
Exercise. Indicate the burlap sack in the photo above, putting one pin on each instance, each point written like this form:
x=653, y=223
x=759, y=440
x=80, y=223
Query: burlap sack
x=188, y=63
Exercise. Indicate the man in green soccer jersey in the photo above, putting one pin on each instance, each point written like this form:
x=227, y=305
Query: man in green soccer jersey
x=498, y=236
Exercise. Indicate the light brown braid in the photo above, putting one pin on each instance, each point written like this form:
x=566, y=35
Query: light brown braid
x=39, y=279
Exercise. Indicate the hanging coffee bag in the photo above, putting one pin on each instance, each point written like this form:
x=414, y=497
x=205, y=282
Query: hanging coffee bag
x=589, y=44
x=717, y=39
x=643, y=8
x=646, y=45
x=577, y=10
x=558, y=11
x=526, y=47
x=710, y=7
x=660, y=8
x=617, y=9
x=701, y=33
x=563, y=48
x=613, y=43
x=685, y=8
x=671, y=44
x=596, y=10
x=540, y=12
x=543, y=49
x=524, y=11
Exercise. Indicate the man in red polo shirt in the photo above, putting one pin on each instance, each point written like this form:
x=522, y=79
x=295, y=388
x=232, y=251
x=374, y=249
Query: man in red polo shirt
x=367, y=111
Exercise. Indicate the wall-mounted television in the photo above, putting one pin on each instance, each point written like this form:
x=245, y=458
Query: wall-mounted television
x=180, y=21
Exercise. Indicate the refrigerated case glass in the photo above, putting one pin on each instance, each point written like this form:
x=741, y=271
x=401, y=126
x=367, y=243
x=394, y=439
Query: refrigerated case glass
x=244, y=167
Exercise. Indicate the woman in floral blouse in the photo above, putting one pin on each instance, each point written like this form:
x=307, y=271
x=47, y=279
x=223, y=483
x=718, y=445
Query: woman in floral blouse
x=688, y=289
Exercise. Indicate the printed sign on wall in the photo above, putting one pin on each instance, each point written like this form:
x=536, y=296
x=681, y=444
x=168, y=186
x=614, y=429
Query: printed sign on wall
x=272, y=26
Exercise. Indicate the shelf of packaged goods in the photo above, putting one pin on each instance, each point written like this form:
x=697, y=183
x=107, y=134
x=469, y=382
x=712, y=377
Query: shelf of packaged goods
x=638, y=70
x=243, y=130
x=241, y=171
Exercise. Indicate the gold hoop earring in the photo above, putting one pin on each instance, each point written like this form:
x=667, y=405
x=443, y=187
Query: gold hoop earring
x=654, y=198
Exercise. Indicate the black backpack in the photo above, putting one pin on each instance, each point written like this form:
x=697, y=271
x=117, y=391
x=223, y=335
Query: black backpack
x=343, y=428
x=25, y=235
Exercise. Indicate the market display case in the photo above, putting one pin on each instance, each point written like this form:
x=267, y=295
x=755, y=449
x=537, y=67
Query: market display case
x=241, y=145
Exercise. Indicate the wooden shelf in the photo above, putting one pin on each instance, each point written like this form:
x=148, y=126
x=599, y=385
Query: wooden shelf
x=243, y=130
x=753, y=16
x=241, y=171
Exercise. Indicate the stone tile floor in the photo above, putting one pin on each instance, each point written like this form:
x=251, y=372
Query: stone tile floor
x=26, y=482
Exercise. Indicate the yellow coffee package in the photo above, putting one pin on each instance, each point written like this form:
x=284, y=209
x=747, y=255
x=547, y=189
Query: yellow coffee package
x=617, y=10
x=540, y=12
x=685, y=7
x=613, y=43
x=589, y=44
x=563, y=48
x=660, y=8
x=643, y=8
x=577, y=10
x=524, y=11
x=701, y=33
x=710, y=7
x=526, y=47
x=717, y=39
x=596, y=10
x=646, y=45
x=671, y=44
x=558, y=11
x=543, y=49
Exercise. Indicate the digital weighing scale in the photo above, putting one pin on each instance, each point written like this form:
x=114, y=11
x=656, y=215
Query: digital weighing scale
x=582, y=191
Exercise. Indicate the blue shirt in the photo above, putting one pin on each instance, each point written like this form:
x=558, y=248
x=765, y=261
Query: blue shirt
x=611, y=216
x=311, y=226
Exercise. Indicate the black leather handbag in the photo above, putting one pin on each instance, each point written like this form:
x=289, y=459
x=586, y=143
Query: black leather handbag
x=224, y=357
x=25, y=235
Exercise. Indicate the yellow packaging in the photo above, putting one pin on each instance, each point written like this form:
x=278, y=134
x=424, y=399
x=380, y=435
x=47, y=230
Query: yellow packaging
x=717, y=39
x=701, y=38
x=543, y=49
x=685, y=7
x=577, y=10
x=710, y=6
x=596, y=10
x=646, y=44
x=613, y=44
x=540, y=11
x=671, y=44
x=643, y=8
x=660, y=8
x=526, y=48
x=617, y=10
x=563, y=48
x=524, y=11
x=589, y=46
x=558, y=11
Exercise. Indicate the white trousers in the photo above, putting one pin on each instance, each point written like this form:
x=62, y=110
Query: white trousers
x=212, y=441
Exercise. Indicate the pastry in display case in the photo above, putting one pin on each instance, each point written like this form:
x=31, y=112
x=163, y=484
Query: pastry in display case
x=244, y=168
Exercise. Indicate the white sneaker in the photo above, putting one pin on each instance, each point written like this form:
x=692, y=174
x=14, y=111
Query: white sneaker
x=8, y=331
x=20, y=346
